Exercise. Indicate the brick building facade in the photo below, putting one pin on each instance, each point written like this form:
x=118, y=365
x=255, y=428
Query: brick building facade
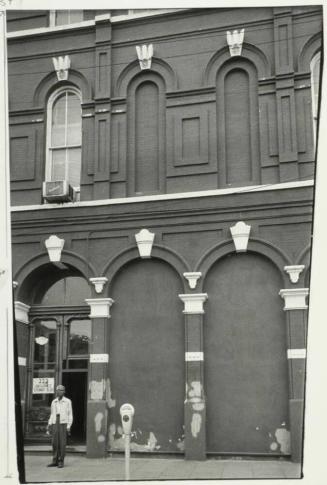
x=162, y=176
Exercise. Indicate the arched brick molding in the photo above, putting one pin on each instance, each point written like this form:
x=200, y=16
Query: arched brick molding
x=249, y=52
x=259, y=246
x=158, y=66
x=308, y=50
x=50, y=83
x=159, y=252
x=38, y=266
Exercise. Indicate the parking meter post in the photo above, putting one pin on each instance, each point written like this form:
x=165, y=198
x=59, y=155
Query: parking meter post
x=127, y=456
x=127, y=413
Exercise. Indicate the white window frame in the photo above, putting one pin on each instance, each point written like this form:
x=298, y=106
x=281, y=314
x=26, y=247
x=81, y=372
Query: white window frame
x=49, y=148
x=314, y=91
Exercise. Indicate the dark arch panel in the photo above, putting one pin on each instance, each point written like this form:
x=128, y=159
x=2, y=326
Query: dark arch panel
x=245, y=358
x=238, y=123
x=146, y=348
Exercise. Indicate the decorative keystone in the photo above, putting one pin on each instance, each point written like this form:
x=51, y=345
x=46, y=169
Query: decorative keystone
x=294, y=298
x=100, y=307
x=54, y=247
x=235, y=41
x=21, y=312
x=240, y=234
x=62, y=66
x=192, y=279
x=99, y=283
x=294, y=272
x=144, y=54
x=193, y=302
x=144, y=241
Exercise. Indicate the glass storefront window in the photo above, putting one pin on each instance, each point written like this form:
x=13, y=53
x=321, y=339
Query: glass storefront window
x=79, y=337
x=44, y=362
x=45, y=342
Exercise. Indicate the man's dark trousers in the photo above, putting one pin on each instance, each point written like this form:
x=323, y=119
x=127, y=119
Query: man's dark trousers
x=59, y=434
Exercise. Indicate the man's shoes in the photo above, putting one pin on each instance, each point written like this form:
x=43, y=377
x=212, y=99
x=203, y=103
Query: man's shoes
x=60, y=464
x=52, y=464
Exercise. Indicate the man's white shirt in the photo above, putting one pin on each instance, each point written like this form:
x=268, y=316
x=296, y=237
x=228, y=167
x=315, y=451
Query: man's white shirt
x=63, y=407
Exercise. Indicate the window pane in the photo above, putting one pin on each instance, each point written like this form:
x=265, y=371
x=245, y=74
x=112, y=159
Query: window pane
x=64, y=17
x=79, y=337
x=58, y=121
x=45, y=342
x=74, y=130
x=75, y=16
x=74, y=166
x=58, y=165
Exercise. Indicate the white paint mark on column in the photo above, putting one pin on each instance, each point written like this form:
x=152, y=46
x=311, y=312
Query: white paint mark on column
x=96, y=389
x=196, y=424
x=283, y=437
x=111, y=402
x=98, y=422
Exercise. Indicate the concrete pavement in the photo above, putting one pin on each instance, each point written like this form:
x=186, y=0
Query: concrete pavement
x=79, y=468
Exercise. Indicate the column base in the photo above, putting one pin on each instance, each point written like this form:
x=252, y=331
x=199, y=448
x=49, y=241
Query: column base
x=96, y=431
x=195, y=430
x=296, y=407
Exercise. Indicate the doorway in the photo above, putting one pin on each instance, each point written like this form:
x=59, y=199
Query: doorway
x=75, y=383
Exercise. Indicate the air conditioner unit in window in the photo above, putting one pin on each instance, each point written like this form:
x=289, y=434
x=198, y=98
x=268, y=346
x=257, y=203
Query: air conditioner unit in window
x=58, y=191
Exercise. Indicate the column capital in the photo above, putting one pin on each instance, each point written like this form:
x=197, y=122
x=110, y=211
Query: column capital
x=21, y=312
x=100, y=307
x=294, y=298
x=192, y=278
x=98, y=283
x=193, y=302
x=294, y=271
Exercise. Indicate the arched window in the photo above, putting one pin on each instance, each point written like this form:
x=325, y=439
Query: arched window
x=64, y=137
x=315, y=78
x=146, y=133
x=238, y=124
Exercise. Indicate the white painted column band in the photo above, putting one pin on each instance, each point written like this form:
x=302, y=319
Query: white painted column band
x=294, y=298
x=100, y=307
x=22, y=361
x=99, y=358
x=296, y=353
x=193, y=356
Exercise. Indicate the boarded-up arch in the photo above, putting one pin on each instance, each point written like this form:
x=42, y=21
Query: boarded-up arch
x=245, y=358
x=146, y=348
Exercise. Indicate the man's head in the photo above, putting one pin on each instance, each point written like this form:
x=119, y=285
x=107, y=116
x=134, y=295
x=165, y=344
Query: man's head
x=60, y=391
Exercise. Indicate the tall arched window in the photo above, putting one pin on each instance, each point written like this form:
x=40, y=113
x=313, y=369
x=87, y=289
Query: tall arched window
x=238, y=124
x=146, y=135
x=64, y=137
x=315, y=78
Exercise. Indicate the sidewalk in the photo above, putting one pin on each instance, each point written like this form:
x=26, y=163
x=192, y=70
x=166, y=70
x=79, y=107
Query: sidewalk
x=79, y=468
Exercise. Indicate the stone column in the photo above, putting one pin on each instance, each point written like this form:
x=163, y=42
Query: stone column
x=296, y=314
x=97, y=406
x=194, y=404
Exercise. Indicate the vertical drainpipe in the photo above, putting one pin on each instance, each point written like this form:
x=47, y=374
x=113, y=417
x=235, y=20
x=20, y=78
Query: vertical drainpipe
x=194, y=404
x=97, y=406
x=296, y=320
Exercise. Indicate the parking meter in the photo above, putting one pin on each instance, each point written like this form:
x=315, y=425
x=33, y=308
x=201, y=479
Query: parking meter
x=127, y=413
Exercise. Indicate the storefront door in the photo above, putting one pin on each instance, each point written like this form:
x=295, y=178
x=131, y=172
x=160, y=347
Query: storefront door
x=58, y=354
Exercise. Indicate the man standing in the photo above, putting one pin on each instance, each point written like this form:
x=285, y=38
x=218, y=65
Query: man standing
x=61, y=419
